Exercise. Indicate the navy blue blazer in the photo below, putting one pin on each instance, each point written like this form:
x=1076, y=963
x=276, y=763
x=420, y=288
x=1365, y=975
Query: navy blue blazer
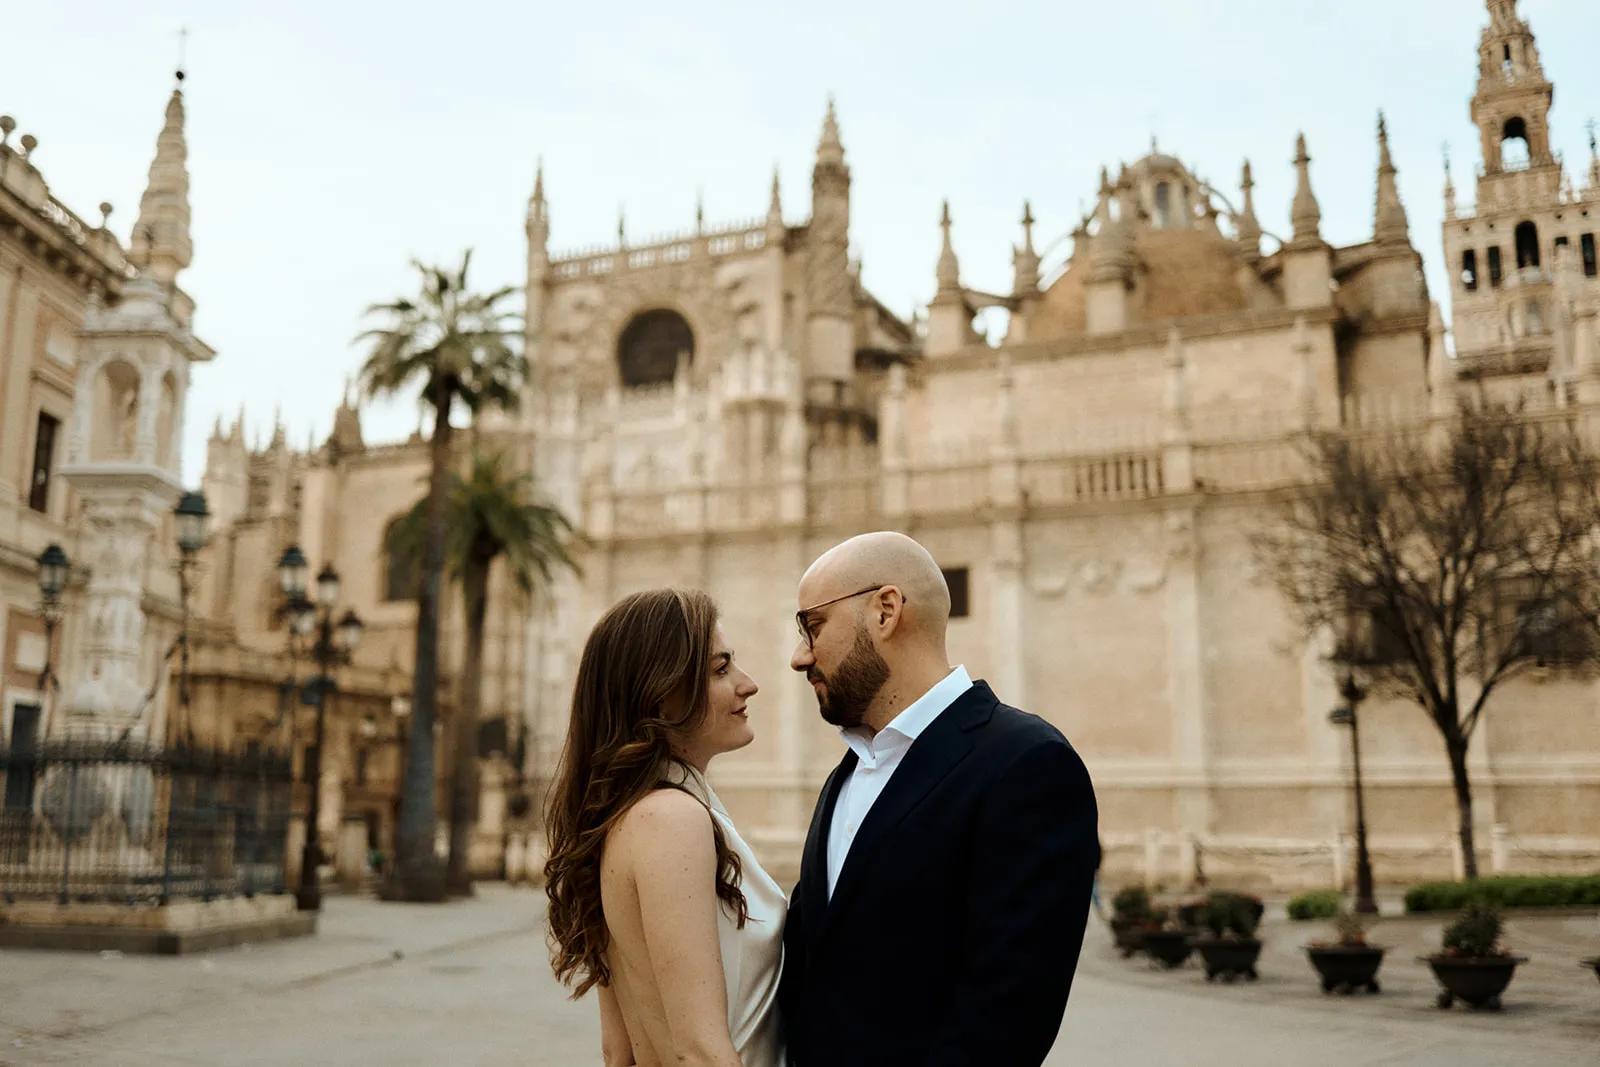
x=954, y=930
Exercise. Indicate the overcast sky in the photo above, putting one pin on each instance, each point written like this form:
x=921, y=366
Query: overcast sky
x=331, y=142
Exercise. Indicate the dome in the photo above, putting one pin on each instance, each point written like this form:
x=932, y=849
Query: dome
x=1180, y=273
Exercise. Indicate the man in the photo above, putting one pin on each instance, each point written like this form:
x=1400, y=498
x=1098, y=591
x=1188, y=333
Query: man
x=944, y=886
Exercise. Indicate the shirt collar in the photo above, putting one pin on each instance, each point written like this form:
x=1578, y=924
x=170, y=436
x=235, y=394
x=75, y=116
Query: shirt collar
x=912, y=720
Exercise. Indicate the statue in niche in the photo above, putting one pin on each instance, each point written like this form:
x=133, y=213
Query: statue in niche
x=126, y=409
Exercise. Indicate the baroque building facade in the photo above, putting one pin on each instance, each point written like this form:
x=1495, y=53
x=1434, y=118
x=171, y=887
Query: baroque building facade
x=97, y=348
x=717, y=407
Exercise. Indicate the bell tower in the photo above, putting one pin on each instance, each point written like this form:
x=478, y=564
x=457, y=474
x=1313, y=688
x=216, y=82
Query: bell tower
x=1511, y=106
x=1521, y=261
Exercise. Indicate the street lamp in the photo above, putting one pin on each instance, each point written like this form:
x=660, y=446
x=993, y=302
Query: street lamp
x=53, y=568
x=1347, y=714
x=292, y=569
x=190, y=515
x=335, y=642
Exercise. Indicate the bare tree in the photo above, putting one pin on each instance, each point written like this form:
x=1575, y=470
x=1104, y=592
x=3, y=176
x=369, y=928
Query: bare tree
x=1447, y=558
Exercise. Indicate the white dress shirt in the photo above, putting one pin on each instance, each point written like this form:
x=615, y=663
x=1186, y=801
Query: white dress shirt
x=877, y=758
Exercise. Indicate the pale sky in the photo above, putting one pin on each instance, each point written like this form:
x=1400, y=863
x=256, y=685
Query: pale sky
x=331, y=142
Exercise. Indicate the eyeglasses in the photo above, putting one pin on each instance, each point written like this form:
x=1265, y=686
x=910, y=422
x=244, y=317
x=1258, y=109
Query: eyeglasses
x=800, y=616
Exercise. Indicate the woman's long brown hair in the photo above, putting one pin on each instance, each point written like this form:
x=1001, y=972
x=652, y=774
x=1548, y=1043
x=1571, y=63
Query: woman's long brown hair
x=642, y=683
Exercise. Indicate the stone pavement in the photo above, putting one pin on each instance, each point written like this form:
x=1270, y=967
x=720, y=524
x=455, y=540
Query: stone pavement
x=467, y=983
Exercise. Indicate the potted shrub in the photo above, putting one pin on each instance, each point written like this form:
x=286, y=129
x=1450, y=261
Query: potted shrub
x=1232, y=948
x=1473, y=966
x=1348, y=962
x=1131, y=917
x=1314, y=904
x=1167, y=939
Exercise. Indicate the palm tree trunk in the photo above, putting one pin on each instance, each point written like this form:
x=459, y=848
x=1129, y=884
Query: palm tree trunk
x=1457, y=747
x=464, y=778
x=419, y=873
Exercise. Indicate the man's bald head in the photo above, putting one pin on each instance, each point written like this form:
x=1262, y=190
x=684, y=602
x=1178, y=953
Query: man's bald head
x=884, y=558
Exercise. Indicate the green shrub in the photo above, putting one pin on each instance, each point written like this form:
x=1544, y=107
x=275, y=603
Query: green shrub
x=1476, y=933
x=1237, y=914
x=1316, y=904
x=1508, y=891
x=1131, y=903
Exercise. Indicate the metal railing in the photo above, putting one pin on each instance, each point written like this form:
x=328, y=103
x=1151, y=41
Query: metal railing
x=128, y=822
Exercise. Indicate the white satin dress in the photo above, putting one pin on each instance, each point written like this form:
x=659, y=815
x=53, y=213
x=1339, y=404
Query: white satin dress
x=752, y=958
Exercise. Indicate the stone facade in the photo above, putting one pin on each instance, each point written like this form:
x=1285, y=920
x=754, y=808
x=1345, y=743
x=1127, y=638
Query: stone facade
x=717, y=407
x=95, y=349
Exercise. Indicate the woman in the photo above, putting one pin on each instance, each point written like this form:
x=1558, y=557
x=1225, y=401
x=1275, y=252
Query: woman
x=655, y=899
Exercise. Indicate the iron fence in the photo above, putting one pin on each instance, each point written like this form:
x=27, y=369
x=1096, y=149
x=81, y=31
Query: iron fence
x=129, y=822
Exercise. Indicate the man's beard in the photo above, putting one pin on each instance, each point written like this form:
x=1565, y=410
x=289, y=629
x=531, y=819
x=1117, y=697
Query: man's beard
x=850, y=689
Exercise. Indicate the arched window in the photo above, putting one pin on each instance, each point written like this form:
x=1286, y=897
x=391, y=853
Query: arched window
x=402, y=570
x=1469, y=270
x=1514, y=152
x=651, y=345
x=1163, y=204
x=1527, y=237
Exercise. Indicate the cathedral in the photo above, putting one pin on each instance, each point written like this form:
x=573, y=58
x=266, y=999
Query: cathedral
x=716, y=407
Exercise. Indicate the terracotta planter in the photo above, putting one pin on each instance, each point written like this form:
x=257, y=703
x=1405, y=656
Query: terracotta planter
x=1129, y=935
x=1347, y=968
x=1168, y=947
x=1229, y=957
x=1478, y=981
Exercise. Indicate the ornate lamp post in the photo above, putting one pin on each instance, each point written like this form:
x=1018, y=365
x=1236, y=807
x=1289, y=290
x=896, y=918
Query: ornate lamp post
x=400, y=713
x=191, y=515
x=53, y=567
x=334, y=642
x=1347, y=714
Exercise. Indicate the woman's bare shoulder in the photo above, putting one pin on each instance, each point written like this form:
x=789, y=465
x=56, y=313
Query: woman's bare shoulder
x=663, y=821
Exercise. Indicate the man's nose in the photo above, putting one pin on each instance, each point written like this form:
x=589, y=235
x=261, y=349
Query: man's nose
x=802, y=659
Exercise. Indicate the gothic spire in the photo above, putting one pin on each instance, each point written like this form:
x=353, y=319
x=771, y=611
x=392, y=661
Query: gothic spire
x=1246, y=225
x=1594, y=159
x=775, y=227
x=948, y=273
x=1449, y=187
x=830, y=149
x=161, y=243
x=1389, y=214
x=538, y=209
x=1024, y=260
x=1305, y=212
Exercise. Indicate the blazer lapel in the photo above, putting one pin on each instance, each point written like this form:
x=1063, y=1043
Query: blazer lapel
x=934, y=754
x=814, y=860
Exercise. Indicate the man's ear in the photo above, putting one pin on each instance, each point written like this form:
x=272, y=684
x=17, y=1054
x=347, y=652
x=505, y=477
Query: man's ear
x=888, y=609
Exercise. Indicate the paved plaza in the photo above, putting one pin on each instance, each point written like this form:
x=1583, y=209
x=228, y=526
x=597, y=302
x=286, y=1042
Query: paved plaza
x=466, y=983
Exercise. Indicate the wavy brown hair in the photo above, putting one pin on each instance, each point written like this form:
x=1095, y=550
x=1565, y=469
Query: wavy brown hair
x=642, y=684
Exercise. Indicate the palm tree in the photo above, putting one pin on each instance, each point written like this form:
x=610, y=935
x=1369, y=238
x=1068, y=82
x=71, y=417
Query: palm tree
x=458, y=345
x=492, y=514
